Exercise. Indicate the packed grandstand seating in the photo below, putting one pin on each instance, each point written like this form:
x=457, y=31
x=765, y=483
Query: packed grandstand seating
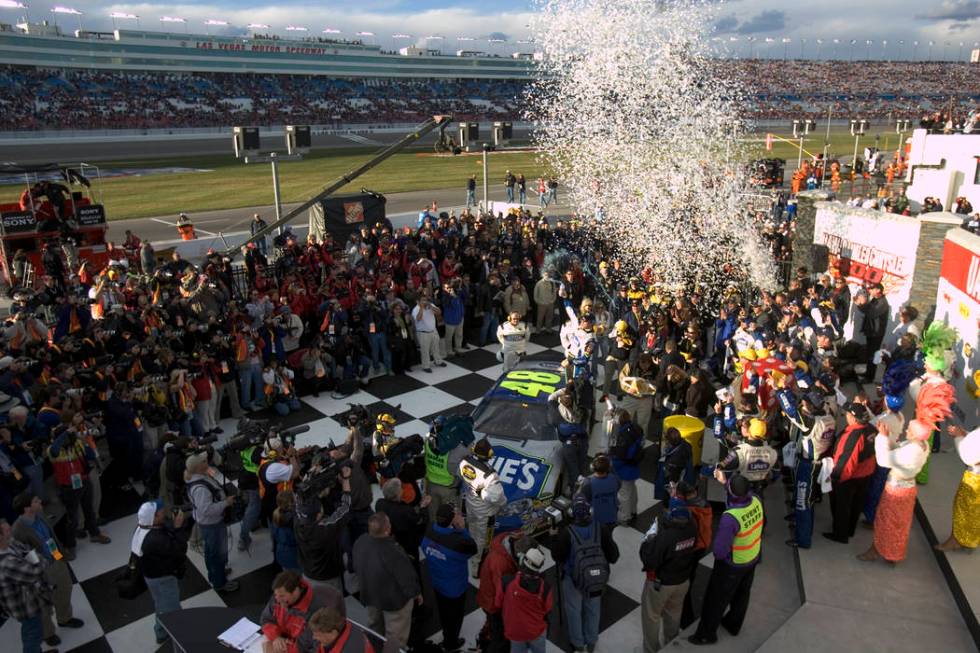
x=33, y=98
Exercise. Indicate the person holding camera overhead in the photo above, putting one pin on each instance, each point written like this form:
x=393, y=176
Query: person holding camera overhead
x=161, y=546
x=210, y=504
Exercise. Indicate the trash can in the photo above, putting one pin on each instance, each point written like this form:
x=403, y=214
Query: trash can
x=692, y=430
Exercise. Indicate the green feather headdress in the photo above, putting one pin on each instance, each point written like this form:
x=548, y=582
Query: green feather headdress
x=937, y=339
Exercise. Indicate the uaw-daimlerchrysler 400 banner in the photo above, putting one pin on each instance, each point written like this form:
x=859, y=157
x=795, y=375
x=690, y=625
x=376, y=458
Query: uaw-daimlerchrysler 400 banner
x=958, y=305
x=867, y=247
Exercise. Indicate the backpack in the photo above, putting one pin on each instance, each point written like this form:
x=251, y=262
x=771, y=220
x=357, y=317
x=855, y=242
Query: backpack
x=451, y=431
x=590, y=569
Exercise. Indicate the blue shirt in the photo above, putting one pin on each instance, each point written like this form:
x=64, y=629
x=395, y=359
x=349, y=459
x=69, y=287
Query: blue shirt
x=446, y=561
x=45, y=534
x=601, y=493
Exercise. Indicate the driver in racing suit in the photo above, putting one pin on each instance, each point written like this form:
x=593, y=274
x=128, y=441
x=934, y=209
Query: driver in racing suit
x=513, y=336
x=754, y=458
x=817, y=430
x=483, y=494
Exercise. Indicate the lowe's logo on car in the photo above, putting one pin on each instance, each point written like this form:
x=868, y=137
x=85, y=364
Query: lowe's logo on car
x=521, y=474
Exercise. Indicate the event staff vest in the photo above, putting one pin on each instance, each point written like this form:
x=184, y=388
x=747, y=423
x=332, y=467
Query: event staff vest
x=437, y=467
x=247, y=463
x=755, y=462
x=748, y=541
x=265, y=487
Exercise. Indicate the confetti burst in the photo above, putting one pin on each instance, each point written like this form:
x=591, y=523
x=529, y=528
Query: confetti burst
x=637, y=119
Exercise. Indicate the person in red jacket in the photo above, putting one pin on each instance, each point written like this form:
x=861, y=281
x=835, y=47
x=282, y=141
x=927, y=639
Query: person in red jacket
x=284, y=619
x=335, y=634
x=524, y=601
x=505, y=550
x=854, y=463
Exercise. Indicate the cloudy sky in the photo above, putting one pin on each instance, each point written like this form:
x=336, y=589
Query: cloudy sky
x=741, y=24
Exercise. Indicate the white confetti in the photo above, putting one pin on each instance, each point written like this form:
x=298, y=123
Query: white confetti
x=638, y=121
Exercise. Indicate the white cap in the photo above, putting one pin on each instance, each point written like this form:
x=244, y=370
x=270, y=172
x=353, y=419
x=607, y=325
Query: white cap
x=147, y=512
x=6, y=362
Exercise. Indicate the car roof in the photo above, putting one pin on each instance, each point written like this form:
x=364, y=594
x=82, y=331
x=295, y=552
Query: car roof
x=498, y=392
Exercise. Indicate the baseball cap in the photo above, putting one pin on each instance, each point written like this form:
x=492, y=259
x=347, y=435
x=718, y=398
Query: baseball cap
x=859, y=411
x=445, y=514
x=195, y=461
x=533, y=560
x=483, y=449
x=147, y=512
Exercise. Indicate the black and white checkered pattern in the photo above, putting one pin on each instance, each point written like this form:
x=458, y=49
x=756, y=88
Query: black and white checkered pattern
x=112, y=624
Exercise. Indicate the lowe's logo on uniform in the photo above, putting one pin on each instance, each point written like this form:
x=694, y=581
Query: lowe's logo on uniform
x=521, y=474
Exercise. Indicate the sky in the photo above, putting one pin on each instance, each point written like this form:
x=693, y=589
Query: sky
x=741, y=26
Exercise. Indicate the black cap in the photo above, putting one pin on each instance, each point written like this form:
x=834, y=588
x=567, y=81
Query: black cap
x=859, y=411
x=445, y=514
x=739, y=486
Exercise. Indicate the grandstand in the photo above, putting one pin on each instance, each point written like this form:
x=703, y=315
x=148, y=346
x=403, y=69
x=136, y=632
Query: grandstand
x=140, y=79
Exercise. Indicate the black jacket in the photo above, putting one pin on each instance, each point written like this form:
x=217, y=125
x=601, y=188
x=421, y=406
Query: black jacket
x=670, y=554
x=164, y=553
x=388, y=579
x=407, y=524
x=875, y=319
x=318, y=541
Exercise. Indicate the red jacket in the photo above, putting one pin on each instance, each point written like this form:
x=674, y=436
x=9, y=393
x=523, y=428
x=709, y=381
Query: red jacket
x=351, y=640
x=854, y=453
x=290, y=622
x=496, y=565
x=525, y=612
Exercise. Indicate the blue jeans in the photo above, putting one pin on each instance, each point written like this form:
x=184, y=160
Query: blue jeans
x=166, y=598
x=488, y=330
x=470, y=198
x=30, y=634
x=253, y=508
x=363, y=367
x=534, y=646
x=286, y=405
x=379, y=350
x=251, y=379
x=522, y=196
x=510, y=194
x=581, y=615
x=215, y=538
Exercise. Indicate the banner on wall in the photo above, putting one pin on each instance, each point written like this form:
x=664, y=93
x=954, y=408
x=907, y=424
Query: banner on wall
x=867, y=247
x=958, y=305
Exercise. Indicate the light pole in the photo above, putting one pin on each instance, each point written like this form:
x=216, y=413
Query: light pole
x=915, y=50
x=13, y=4
x=884, y=50
x=901, y=126
x=836, y=43
x=931, y=43
x=801, y=134
x=786, y=42
x=867, y=49
x=853, y=41
x=901, y=44
x=486, y=178
x=802, y=47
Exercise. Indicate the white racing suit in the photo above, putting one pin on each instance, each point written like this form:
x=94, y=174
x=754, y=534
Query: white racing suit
x=483, y=494
x=513, y=343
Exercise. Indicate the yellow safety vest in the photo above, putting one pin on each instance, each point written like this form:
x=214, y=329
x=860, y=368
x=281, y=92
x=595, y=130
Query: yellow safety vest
x=437, y=467
x=747, y=544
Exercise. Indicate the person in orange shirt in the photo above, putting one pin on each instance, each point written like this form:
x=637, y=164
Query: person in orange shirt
x=185, y=228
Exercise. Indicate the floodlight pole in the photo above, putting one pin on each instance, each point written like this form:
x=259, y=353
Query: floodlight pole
x=273, y=159
x=486, y=179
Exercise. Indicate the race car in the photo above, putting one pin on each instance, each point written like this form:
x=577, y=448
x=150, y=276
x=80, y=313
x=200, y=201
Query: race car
x=515, y=416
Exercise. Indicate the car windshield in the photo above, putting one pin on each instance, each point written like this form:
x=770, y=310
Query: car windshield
x=517, y=420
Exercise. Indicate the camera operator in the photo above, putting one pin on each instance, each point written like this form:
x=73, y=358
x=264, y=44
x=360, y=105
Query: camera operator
x=210, y=504
x=319, y=536
x=277, y=471
x=150, y=398
x=279, y=389
x=71, y=459
x=161, y=546
x=125, y=438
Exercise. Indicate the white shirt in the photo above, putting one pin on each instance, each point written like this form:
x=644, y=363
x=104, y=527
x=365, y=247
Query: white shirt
x=428, y=321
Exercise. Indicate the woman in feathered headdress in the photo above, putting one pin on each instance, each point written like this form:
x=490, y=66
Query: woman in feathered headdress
x=937, y=345
x=893, y=518
x=898, y=376
x=966, y=504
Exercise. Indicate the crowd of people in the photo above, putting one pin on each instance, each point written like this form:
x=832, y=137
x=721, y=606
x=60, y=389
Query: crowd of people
x=117, y=378
x=44, y=98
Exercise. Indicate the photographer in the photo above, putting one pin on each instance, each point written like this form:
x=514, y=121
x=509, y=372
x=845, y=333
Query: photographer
x=210, y=504
x=374, y=325
x=222, y=365
x=279, y=391
x=319, y=368
x=183, y=399
x=277, y=471
x=161, y=546
x=125, y=438
x=318, y=536
x=71, y=458
x=426, y=315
